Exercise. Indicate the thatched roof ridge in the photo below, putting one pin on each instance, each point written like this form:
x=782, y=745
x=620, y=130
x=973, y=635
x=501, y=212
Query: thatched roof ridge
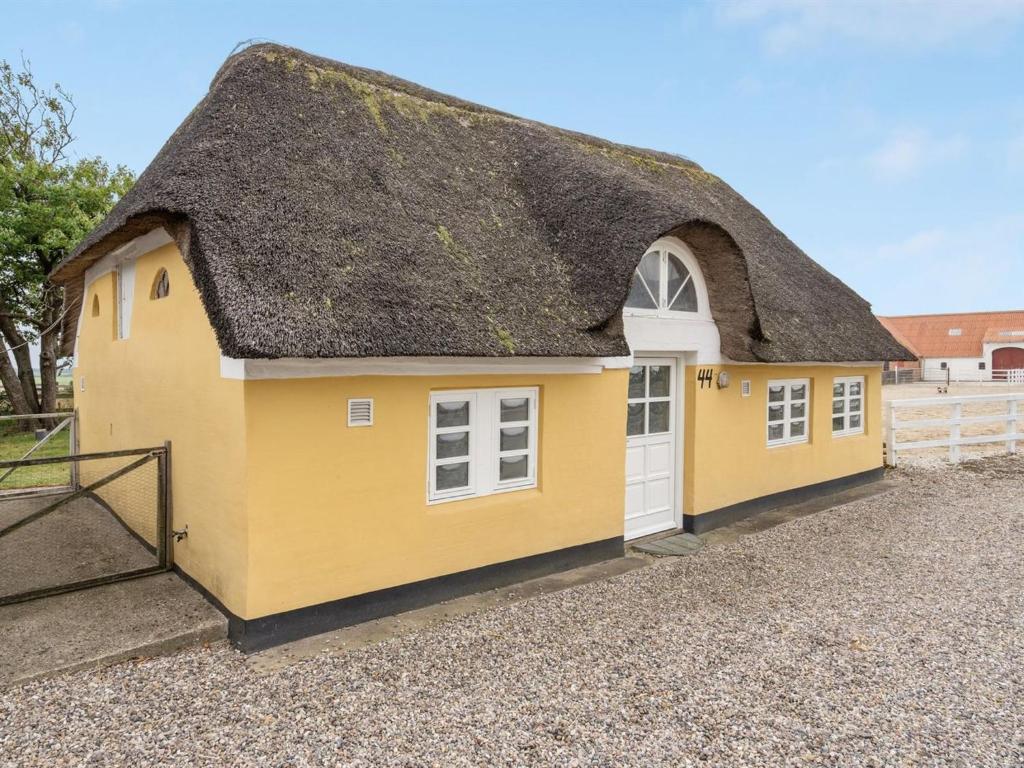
x=331, y=211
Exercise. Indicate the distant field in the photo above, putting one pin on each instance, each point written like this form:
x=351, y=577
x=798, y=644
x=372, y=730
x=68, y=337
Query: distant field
x=14, y=446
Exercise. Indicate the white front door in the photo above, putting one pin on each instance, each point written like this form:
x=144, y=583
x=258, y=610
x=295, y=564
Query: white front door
x=650, y=447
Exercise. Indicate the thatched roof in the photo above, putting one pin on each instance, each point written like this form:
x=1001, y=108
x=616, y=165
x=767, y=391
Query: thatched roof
x=330, y=211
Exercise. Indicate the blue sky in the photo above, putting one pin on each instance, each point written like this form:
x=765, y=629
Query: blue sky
x=885, y=138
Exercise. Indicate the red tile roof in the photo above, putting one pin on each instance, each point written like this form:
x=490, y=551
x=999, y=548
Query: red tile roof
x=1007, y=335
x=929, y=335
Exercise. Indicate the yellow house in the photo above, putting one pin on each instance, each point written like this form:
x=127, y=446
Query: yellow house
x=407, y=347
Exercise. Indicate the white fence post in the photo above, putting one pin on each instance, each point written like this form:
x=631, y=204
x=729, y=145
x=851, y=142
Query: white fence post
x=890, y=431
x=1011, y=426
x=954, y=433
x=953, y=421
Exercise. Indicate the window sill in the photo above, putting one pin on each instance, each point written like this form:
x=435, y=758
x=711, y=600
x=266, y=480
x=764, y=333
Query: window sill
x=788, y=443
x=858, y=433
x=471, y=496
x=657, y=314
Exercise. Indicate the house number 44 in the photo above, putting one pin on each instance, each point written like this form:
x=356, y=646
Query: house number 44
x=706, y=376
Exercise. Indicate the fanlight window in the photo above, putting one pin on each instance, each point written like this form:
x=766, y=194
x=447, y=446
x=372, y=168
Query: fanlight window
x=662, y=282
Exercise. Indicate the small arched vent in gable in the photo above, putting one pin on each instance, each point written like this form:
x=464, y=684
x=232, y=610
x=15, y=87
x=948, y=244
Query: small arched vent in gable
x=95, y=305
x=161, y=285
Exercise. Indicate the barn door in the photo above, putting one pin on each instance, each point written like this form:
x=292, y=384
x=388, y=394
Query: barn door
x=1008, y=364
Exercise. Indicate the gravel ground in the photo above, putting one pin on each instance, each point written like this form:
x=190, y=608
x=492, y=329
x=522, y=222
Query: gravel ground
x=887, y=632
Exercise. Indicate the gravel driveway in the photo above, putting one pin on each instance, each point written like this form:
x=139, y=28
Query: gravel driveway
x=887, y=632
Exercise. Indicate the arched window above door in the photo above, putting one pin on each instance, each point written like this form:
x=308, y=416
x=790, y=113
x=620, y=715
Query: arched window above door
x=665, y=283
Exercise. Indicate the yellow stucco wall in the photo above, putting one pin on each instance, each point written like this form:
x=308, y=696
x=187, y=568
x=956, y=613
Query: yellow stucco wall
x=288, y=507
x=163, y=383
x=726, y=457
x=337, y=511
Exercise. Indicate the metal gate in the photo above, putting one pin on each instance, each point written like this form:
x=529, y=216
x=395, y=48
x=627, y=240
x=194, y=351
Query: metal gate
x=73, y=521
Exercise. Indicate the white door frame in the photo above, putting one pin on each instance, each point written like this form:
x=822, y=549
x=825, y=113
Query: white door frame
x=679, y=360
x=680, y=426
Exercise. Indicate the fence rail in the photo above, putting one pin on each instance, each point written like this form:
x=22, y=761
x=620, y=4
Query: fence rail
x=954, y=422
x=952, y=376
x=24, y=437
x=112, y=524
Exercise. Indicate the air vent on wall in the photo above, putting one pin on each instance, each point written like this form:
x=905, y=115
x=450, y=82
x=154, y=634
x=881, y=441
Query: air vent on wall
x=360, y=412
x=745, y=387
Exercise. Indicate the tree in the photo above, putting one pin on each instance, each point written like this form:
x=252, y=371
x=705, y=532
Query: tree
x=48, y=203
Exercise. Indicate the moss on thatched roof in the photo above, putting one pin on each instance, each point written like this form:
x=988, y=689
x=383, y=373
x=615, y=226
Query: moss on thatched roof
x=330, y=211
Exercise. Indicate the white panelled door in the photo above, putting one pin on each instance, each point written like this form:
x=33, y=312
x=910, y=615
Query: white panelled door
x=650, y=447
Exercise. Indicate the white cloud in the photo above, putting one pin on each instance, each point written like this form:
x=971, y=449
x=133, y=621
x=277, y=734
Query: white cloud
x=788, y=25
x=907, y=153
x=976, y=267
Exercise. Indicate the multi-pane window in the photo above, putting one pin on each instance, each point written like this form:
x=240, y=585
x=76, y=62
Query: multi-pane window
x=662, y=283
x=788, y=411
x=649, y=409
x=515, y=425
x=482, y=441
x=848, y=405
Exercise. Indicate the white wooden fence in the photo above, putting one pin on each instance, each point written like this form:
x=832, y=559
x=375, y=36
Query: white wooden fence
x=954, y=421
x=952, y=376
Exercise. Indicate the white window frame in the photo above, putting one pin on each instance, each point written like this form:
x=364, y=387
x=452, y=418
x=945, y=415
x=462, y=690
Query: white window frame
x=485, y=452
x=646, y=399
x=787, y=419
x=663, y=300
x=846, y=412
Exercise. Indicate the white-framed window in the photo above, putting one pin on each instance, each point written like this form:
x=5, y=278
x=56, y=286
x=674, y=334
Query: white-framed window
x=482, y=441
x=789, y=411
x=662, y=284
x=848, y=405
x=649, y=404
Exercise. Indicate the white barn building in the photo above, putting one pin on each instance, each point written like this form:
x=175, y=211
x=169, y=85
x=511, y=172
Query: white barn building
x=969, y=346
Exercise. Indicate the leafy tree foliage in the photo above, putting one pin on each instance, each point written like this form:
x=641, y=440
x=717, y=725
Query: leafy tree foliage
x=48, y=203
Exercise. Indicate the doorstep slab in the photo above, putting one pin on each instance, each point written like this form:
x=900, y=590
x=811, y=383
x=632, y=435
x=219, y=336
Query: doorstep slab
x=150, y=616
x=679, y=545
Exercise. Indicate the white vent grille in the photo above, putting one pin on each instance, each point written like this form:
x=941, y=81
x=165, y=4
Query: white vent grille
x=955, y=331
x=745, y=387
x=360, y=412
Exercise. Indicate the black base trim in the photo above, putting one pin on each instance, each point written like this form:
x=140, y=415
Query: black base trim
x=736, y=512
x=251, y=635
x=211, y=598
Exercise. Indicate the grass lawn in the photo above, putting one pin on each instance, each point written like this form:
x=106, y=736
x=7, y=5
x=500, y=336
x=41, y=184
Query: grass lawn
x=16, y=445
